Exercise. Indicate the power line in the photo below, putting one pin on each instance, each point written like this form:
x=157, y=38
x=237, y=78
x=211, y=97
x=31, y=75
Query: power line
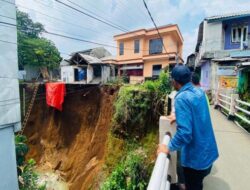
x=11, y=103
x=61, y=20
x=91, y=16
x=7, y=23
x=145, y=4
x=8, y=2
x=8, y=42
x=122, y=3
x=78, y=39
x=3, y=25
x=97, y=15
x=8, y=100
x=7, y=17
x=83, y=40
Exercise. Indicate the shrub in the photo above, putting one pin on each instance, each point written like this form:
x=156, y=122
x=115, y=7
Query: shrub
x=139, y=105
x=27, y=178
x=130, y=174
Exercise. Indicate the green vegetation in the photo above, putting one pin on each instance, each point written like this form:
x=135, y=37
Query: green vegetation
x=27, y=178
x=33, y=49
x=245, y=98
x=131, y=170
x=132, y=142
x=138, y=106
x=130, y=174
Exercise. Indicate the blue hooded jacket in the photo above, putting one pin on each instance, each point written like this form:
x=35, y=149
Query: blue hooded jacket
x=194, y=136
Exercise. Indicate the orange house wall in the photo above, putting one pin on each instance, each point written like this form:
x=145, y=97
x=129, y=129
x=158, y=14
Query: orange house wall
x=148, y=66
x=171, y=38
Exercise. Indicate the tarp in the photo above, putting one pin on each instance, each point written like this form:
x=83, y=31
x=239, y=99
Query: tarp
x=55, y=93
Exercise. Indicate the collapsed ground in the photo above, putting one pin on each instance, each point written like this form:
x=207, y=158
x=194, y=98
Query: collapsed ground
x=89, y=143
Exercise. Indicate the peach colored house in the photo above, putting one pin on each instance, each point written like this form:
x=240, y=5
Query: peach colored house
x=141, y=53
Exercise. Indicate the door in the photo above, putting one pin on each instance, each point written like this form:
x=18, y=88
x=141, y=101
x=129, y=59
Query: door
x=76, y=74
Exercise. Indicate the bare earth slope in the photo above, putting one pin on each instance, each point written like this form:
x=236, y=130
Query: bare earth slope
x=72, y=142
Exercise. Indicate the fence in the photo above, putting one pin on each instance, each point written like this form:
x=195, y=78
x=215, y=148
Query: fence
x=164, y=172
x=234, y=106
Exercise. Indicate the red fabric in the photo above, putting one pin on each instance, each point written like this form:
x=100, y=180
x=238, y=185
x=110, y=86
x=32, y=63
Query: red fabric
x=55, y=93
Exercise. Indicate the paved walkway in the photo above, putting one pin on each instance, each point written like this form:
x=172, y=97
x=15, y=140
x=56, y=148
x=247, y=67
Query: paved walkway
x=232, y=169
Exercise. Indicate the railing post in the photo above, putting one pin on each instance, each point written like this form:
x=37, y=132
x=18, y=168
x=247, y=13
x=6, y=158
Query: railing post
x=216, y=102
x=232, y=109
x=166, y=127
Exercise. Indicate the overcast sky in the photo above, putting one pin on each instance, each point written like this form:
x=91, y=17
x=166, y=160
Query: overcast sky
x=130, y=14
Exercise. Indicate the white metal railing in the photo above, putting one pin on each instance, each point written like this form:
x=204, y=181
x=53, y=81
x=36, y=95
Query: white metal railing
x=164, y=172
x=226, y=101
x=159, y=178
x=238, y=108
x=234, y=106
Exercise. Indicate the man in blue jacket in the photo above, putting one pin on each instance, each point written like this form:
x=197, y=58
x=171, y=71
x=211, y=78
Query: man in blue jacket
x=194, y=136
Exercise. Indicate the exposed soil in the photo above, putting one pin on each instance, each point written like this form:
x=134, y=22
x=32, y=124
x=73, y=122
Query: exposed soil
x=72, y=142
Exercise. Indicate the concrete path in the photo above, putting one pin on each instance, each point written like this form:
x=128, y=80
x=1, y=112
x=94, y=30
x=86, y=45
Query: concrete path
x=232, y=169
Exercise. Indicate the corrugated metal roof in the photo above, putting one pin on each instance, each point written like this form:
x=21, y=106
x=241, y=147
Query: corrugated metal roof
x=228, y=16
x=108, y=58
x=90, y=59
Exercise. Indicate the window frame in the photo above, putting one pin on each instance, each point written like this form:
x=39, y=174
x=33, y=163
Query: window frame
x=156, y=70
x=239, y=31
x=137, y=50
x=153, y=52
x=121, y=48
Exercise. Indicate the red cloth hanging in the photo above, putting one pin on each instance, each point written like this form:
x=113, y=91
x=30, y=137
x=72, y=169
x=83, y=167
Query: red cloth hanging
x=55, y=93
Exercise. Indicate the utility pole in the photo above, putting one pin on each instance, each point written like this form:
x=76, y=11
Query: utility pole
x=10, y=116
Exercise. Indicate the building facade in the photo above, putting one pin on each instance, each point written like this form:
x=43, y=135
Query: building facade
x=10, y=118
x=86, y=67
x=143, y=53
x=223, y=44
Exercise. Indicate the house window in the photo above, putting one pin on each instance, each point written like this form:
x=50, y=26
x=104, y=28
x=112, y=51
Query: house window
x=137, y=46
x=121, y=48
x=238, y=33
x=155, y=46
x=156, y=70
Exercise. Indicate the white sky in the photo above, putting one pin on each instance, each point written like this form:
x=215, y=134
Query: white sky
x=130, y=14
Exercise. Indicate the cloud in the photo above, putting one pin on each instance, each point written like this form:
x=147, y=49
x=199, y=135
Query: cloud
x=189, y=42
x=130, y=14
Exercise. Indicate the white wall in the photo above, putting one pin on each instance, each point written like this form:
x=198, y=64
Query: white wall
x=105, y=74
x=90, y=74
x=212, y=36
x=67, y=74
x=9, y=97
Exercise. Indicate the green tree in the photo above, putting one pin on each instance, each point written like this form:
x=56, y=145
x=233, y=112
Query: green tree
x=33, y=49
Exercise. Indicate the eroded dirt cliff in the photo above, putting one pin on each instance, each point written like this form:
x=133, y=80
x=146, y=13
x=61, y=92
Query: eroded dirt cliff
x=72, y=142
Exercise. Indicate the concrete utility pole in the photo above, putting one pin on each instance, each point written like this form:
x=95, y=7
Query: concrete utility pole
x=10, y=117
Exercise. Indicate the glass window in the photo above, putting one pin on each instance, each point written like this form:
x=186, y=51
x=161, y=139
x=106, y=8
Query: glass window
x=121, y=48
x=244, y=34
x=156, y=70
x=155, y=46
x=137, y=46
x=234, y=35
x=237, y=33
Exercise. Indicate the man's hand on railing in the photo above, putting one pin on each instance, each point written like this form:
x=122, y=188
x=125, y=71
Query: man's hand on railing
x=162, y=149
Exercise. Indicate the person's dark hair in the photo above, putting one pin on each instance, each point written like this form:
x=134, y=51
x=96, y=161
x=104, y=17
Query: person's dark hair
x=195, y=79
x=181, y=74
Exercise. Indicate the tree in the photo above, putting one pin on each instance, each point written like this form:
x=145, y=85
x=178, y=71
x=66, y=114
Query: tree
x=33, y=49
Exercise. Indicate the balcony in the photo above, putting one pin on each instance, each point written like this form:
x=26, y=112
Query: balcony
x=240, y=53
